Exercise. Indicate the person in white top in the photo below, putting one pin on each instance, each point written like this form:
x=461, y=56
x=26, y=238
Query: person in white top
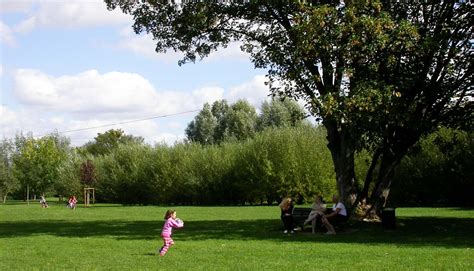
x=338, y=215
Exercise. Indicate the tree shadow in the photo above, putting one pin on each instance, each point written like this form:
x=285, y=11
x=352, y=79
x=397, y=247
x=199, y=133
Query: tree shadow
x=410, y=231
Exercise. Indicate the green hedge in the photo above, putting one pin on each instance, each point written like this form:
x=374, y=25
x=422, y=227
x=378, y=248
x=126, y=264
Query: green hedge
x=275, y=163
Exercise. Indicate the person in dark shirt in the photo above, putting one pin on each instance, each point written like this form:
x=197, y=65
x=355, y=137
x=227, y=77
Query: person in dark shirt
x=286, y=207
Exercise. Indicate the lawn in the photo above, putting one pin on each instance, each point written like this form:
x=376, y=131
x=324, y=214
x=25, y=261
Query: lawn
x=115, y=237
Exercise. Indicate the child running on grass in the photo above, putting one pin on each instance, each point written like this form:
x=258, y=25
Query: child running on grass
x=170, y=223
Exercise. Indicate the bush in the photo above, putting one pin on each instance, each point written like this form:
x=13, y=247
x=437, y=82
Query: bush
x=276, y=163
x=439, y=171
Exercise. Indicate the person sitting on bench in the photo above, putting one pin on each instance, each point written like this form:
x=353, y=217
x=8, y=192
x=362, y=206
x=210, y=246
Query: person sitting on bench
x=317, y=212
x=338, y=215
x=286, y=207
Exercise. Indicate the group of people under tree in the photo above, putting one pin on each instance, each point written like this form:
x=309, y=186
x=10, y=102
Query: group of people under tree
x=337, y=215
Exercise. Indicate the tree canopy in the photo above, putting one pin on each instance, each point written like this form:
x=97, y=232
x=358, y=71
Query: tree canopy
x=36, y=163
x=378, y=74
x=104, y=143
x=239, y=121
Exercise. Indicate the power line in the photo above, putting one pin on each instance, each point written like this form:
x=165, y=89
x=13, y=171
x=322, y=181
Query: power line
x=124, y=122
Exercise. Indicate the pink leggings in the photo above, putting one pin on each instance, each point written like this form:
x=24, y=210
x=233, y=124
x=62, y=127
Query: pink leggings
x=167, y=243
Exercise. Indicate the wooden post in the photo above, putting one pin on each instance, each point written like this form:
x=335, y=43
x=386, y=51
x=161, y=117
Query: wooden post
x=87, y=196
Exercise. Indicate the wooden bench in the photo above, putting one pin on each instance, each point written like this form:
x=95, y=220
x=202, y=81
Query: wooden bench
x=300, y=214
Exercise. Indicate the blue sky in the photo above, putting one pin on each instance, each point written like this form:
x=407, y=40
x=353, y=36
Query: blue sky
x=68, y=65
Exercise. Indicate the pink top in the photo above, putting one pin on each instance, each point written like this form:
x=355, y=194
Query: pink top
x=171, y=223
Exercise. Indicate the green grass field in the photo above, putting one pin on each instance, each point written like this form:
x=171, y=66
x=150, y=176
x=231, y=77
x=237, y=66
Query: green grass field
x=114, y=237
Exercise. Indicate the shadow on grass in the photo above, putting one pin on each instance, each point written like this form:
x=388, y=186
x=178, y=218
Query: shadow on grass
x=411, y=231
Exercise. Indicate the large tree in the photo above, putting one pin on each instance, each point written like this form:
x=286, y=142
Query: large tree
x=378, y=74
x=36, y=163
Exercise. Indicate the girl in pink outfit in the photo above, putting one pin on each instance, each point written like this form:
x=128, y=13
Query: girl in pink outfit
x=72, y=202
x=170, y=223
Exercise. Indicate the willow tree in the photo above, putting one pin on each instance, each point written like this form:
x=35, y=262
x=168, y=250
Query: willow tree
x=378, y=74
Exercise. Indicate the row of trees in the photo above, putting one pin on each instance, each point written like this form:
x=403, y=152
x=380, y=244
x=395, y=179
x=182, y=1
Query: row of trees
x=37, y=165
x=274, y=163
x=31, y=167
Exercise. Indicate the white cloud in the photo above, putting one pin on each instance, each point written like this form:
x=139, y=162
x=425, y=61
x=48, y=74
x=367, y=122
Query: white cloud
x=91, y=102
x=153, y=131
x=72, y=13
x=231, y=52
x=91, y=99
x=26, y=25
x=87, y=92
x=144, y=45
x=6, y=35
x=169, y=139
x=208, y=94
x=255, y=91
x=7, y=116
x=110, y=93
x=15, y=5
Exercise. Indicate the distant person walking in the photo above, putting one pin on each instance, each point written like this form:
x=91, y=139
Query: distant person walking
x=170, y=222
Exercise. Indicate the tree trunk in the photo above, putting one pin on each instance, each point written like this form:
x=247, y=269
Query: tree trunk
x=363, y=195
x=342, y=153
x=379, y=195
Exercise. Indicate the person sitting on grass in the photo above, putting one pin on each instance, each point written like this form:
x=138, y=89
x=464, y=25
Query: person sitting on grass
x=43, y=202
x=72, y=202
x=286, y=207
x=338, y=215
x=317, y=212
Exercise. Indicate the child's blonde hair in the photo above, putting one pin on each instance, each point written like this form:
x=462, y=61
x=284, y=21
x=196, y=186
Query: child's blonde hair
x=169, y=213
x=285, y=203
